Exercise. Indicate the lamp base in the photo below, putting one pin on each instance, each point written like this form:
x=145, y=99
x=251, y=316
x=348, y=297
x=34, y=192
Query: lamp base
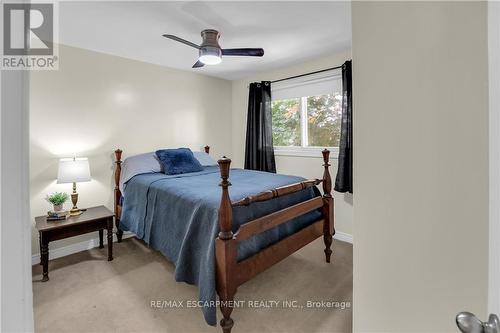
x=75, y=212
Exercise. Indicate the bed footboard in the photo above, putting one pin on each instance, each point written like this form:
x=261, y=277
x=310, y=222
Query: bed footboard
x=225, y=251
x=230, y=273
x=328, y=225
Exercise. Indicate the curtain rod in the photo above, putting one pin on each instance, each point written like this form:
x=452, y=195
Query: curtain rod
x=311, y=73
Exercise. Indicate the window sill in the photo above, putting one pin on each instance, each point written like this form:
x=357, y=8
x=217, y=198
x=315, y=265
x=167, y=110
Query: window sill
x=305, y=151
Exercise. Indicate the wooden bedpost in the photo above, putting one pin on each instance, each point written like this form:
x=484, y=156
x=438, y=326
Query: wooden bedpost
x=118, y=194
x=225, y=250
x=328, y=226
x=207, y=149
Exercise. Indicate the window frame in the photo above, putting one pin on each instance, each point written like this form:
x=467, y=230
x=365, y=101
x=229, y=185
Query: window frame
x=304, y=150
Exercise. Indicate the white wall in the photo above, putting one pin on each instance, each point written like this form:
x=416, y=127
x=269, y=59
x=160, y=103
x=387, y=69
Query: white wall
x=96, y=103
x=308, y=167
x=420, y=76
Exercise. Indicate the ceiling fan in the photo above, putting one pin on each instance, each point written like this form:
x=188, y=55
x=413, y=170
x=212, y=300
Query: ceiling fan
x=210, y=51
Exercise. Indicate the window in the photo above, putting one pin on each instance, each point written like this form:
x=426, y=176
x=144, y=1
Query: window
x=306, y=114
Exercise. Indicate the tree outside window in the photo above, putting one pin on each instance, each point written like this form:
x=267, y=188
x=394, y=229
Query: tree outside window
x=311, y=121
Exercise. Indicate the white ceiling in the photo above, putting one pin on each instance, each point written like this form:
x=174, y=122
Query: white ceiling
x=289, y=32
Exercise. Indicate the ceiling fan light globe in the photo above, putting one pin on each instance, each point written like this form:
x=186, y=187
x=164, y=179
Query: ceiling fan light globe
x=210, y=59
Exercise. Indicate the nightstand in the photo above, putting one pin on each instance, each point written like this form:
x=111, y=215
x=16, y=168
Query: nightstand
x=93, y=219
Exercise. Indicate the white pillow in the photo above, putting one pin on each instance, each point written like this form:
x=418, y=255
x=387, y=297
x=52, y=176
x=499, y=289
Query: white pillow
x=148, y=163
x=204, y=158
x=136, y=165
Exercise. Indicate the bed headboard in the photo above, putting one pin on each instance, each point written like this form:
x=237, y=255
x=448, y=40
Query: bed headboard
x=118, y=193
x=118, y=170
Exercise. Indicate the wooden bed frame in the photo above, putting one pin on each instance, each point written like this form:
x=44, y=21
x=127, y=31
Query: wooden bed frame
x=231, y=273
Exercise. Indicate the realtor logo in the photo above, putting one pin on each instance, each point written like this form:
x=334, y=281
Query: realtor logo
x=28, y=36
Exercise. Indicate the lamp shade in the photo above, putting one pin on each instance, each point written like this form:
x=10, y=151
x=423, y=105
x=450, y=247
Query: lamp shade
x=73, y=170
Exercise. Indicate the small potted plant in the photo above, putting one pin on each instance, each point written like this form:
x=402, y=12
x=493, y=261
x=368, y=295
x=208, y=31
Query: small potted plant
x=57, y=199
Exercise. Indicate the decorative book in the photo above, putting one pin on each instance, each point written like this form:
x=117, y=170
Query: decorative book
x=57, y=216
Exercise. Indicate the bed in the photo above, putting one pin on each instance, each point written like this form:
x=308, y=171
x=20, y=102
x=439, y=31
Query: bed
x=218, y=239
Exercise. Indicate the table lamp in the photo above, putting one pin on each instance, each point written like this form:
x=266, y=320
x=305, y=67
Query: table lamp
x=73, y=170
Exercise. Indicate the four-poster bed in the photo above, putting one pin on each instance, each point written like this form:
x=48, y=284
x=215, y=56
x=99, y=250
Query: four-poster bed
x=230, y=271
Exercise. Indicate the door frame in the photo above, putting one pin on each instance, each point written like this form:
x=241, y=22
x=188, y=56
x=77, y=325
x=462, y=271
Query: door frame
x=494, y=156
x=16, y=313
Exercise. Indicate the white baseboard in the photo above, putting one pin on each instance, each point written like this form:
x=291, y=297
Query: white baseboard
x=75, y=248
x=342, y=236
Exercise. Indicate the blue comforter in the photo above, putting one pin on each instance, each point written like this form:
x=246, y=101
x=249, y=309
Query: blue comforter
x=178, y=216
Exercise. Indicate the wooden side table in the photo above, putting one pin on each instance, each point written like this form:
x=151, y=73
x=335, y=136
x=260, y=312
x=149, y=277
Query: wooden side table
x=93, y=219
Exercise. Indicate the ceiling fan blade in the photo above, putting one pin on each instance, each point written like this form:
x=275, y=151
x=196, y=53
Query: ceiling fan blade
x=243, y=52
x=198, y=64
x=183, y=41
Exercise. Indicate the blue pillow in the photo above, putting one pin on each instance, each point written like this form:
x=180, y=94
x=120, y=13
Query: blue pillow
x=176, y=161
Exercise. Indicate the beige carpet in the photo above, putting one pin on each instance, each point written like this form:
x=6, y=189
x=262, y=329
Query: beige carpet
x=86, y=293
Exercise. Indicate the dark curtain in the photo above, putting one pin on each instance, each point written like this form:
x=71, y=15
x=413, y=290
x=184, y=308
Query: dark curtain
x=343, y=181
x=259, y=151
